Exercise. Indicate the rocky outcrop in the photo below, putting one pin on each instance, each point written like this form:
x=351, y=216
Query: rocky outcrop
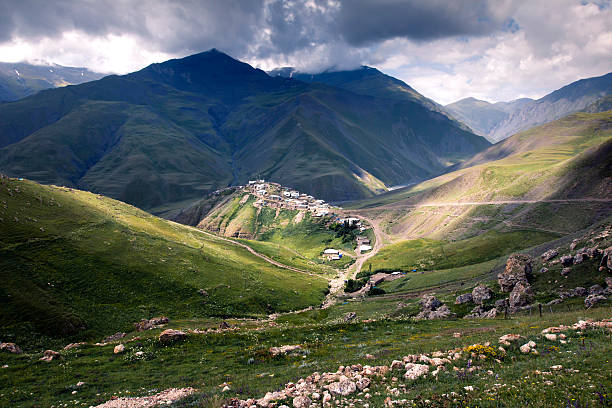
x=465, y=298
x=148, y=324
x=518, y=269
x=481, y=293
x=480, y=312
x=432, y=308
x=521, y=295
x=10, y=348
x=170, y=336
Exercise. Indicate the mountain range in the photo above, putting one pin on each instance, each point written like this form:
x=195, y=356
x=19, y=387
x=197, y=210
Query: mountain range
x=18, y=80
x=497, y=121
x=166, y=135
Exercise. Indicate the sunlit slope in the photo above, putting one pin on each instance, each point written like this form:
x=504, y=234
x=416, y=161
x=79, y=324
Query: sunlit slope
x=73, y=261
x=555, y=178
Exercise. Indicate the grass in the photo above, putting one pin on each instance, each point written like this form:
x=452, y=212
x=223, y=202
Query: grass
x=240, y=359
x=72, y=260
x=428, y=255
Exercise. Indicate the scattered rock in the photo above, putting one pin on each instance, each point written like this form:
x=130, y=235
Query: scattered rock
x=565, y=271
x=301, y=402
x=506, y=339
x=528, y=347
x=481, y=293
x=74, y=345
x=162, y=398
x=465, y=298
x=518, y=269
x=171, y=335
x=343, y=387
x=10, y=348
x=521, y=295
x=550, y=254
x=414, y=371
x=119, y=348
x=114, y=337
x=592, y=300
x=50, y=355
x=149, y=324
x=284, y=350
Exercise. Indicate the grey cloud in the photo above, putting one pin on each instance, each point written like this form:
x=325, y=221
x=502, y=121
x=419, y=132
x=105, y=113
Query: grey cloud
x=363, y=22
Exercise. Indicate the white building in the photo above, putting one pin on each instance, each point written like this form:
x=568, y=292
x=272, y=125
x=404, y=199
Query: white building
x=331, y=251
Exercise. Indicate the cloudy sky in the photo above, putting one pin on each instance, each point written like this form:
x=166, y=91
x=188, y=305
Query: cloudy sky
x=446, y=49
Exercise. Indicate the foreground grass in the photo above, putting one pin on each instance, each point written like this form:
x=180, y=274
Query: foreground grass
x=240, y=358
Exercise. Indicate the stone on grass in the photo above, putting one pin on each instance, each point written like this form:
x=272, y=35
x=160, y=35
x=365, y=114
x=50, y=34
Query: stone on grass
x=148, y=324
x=50, y=355
x=414, y=371
x=114, y=337
x=596, y=290
x=592, y=300
x=170, y=335
x=550, y=254
x=288, y=349
x=119, y=348
x=343, y=387
x=565, y=271
x=10, y=348
x=567, y=260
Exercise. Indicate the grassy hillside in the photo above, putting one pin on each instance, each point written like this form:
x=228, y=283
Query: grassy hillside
x=288, y=236
x=78, y=264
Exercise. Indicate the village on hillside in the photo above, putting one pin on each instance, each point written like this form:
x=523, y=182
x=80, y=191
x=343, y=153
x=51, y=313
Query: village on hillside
x=274, y=195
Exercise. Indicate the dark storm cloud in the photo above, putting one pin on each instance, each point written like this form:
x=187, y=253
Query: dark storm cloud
x=364, y=21
x=257, y=27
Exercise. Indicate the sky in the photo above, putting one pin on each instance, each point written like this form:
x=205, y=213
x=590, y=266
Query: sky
x=496, y=50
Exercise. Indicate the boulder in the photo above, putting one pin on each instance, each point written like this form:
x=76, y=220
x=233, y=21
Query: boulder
x=171, y=335
x=565, y=271
x=592, y=300
x=550, y=254
x=479, y=312
x=579, y=291
x=119, y=348
x=148, y=324
x=481, y=293
x=596, y=290
x=521, y=295
x=74, y=345
x=606, y=259
x=414, y=371
x=429, y=302
x=593, y=252
x=50, y=355
x=343, y=387
x=10, y=348
x=567, y=260
x=518, y=269
x=349, y=316
x=301, y=402
x=465, y=298
x=579, y=258
x=441, y=312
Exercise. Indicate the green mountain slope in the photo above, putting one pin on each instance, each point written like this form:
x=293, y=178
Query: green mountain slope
x=77, y=264
x=553, y=178
x=18, y=80
x=165, y=135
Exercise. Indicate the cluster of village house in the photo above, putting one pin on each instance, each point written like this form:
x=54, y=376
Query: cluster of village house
x=274, y=195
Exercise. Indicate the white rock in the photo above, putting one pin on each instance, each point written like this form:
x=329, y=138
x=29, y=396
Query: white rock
x=414, y=371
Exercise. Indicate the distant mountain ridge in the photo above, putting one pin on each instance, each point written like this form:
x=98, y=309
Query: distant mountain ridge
x=18, y=80
x=503, y=119
x=169, y=133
